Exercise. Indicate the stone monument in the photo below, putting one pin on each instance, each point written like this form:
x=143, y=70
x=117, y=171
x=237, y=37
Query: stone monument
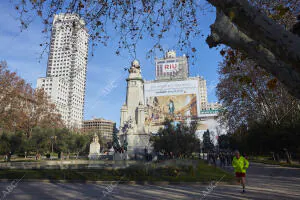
x=132, y=128
x=94, y=148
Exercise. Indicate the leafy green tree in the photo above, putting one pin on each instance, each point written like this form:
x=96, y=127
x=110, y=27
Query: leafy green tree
x=16, y=142
x=115, y=129
x=41, y=140
x=223, y=142
x=207, y=141
x=78, y=143
x=178, y=141
x=63, y=137
x=4, y=143
x=116, y=144
x=263, y=138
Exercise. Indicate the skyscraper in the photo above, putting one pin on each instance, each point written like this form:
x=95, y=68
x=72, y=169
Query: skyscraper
x=65, y=79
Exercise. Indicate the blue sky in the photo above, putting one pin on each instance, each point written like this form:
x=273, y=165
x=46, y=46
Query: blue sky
x=22, y=52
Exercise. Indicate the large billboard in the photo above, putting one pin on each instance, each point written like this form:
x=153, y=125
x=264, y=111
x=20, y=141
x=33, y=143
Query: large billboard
x=177, y=100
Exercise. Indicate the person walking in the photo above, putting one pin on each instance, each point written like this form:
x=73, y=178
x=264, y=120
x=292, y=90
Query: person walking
x=228, y=158
x=240, y=165
x=9, y=156
x=214, y=158
x=222, y=159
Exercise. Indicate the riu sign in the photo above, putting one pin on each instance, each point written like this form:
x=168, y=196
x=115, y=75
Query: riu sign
x=170, y=67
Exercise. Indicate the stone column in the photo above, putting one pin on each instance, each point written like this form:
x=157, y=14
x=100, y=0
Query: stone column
x=124, y=115
x=141, y=116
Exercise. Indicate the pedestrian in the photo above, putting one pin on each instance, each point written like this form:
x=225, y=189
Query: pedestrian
x=9, y=156
x=228, y=158
x=214, y=158
x=231, y=156
x=240, y=165
x=222, y=159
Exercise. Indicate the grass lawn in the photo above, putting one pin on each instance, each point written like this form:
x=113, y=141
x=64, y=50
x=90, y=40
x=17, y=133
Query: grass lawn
x=191, y=171
x=273, y=162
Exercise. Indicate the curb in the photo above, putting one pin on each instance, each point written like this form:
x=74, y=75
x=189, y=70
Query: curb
x=160, y=183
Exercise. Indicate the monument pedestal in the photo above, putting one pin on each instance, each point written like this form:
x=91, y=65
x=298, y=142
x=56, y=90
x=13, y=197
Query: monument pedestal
x=137, y=143
x=94, y=156
x=120, y=156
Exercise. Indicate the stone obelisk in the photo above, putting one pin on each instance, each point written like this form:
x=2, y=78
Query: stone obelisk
x=133, y=114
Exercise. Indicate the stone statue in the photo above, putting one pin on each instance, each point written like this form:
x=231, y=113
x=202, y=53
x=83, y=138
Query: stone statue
x=135, y=64
x=95, y=138
x=94, y=148
x=135, y=67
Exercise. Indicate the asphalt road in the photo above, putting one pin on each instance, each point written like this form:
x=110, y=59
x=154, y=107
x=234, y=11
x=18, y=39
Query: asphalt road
x=263, y=182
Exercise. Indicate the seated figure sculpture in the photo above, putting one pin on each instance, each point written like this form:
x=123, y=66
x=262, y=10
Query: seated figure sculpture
x=94, y=148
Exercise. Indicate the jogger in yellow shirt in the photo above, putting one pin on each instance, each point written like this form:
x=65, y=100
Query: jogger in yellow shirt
x=240, y=164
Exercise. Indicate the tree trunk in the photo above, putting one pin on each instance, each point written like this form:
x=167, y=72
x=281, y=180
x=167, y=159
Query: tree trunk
x=242, y=27
x=258, y=26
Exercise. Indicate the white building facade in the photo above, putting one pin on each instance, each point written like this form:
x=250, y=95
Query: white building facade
x=65, y=80
x=203, y=93
x=171, y=67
